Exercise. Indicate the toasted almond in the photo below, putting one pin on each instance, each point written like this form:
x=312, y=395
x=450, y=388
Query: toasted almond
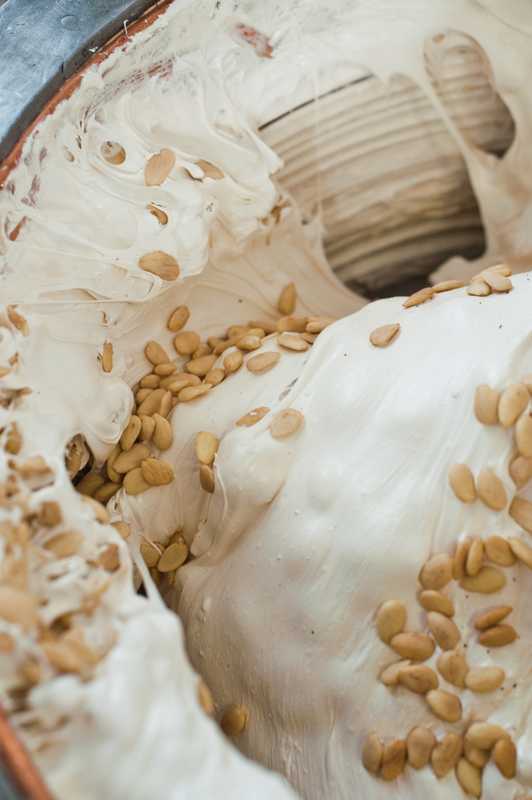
x=262, y=362
x=233, y=361
x=393, y=760
x=487, y=619
x=252, y=417
x=487, y=405
x=206, y=447
x=453, y=667
x=161, y=264
x=292, y=324
x=520, y=470
x=200, y=366
x=165, y=405
x=65, y=544
x=155, y=353
x=223, y=345
x=162, y=433
x=186, y=342
x=49, y=514
x=205, y=698
x=475, y=755
x=418, y=678
x=447, y=286
x=142, y=394
x=498, y=636
x=309, y=337
x=236, y=331
x=420, y=743
x=318, y=324
x=446, y=754
x=131, y=458
x=123, y=528
x=134, y=483
x=522, y=551
x=203, y=350
x=206, y=476
x=444, y=705
x=478, y=289
x=460, y=559
x=292, y=341
x=150, y=381
x=152, y=403
x=469, y=777
x=267, y=327
x=160, y=215
x=491, y=490
x=415, y=646
x=512, y=403
x=158, y=167
x=422, y=296
x=235, y=720
x=131, y=432
x=173, y=557
x=484, y=679
x=150, y=553
x=372, y=751
x=462, y=483
x=487, y=581
x=436, y=572
x=521, y=512
x=178, y=318
x=475, y=556
x=179, y=381
x=257, y=332
x=499, y=551
x=105, y=492
x=389, y=676
x=431, y=600
x=444, y=630
x=385, y=335
x=107, y=357
x=109, y=558
x=215, y=376
x=391, y=619
x=210, y=170
x=147, y=427
x=497, y=282
x=285, y=423
x=523, y=434
x=505, y=757
x=18, y=607
x=248, y=343
x=157, y=472
x=113, y=153
x=193, y=392
x=484, y=735
x=287, y=299
x=89, y=483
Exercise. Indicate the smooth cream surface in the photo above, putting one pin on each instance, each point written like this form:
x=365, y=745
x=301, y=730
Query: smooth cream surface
x=304, y=553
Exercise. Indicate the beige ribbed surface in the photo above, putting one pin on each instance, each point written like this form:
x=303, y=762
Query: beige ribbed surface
x=390, y=180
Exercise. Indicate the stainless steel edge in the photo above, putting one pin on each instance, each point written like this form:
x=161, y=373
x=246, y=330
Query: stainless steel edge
x=42, y=43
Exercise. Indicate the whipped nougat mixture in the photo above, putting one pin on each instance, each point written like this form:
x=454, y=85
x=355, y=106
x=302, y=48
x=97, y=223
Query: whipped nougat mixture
x=337, y=504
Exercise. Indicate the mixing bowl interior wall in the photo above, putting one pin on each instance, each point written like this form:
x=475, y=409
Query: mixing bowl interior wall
x=379, y=165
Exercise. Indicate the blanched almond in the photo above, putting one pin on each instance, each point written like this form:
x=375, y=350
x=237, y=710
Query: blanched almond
x=436, y=572
x=134, y=483
x=162, y=434
x=393, y=760
x=432, y=600
x=385, y=335
x=488, y=581
x=521, y=511
x=157, y=472
x=415, y=646
x=453, y=667
x=131, y=458
x=520, y=470
x=158, y=167
x=18, y=607
x=444, y=630
x=285, y=423
x=372, y=753
x=446, y=754
x=155, y=353
x=193, y=392
x=262, y=362
x=469, y=777
x=148, y=427
x=487, y=619
x=419, y=745
x=419, y=297
x=391, y=619
x=499, y=551
x=523, y=434
x=475, y=556
x=484, y=735
x=487, y=405
x=287, y=299
x=505, y=757
x=444, y=705
x=161, y=264
x=186, y=342
x=478, y=288
x=210, y=170
x=107, y=357
x=206, y=447
x=462, y=483
x=233, y=361
x=418, y=678
x=389, y=676
x=292, y=324
x=484, y=679
x=491, y=490
x=234, y=720
x=206, y=476
x=178, y=318
x=475, y=755
x=512, y=403
x=252, y=417
x=522, y=551
x=460, y=559
x=498, y=636
x=200, y=366
x=151, y=403
x=131, y=433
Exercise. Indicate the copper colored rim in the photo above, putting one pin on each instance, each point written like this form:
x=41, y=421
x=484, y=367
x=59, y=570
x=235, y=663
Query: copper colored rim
x=13, y=754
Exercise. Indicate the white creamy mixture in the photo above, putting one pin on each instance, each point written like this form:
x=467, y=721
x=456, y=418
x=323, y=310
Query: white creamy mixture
x=302, y=539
